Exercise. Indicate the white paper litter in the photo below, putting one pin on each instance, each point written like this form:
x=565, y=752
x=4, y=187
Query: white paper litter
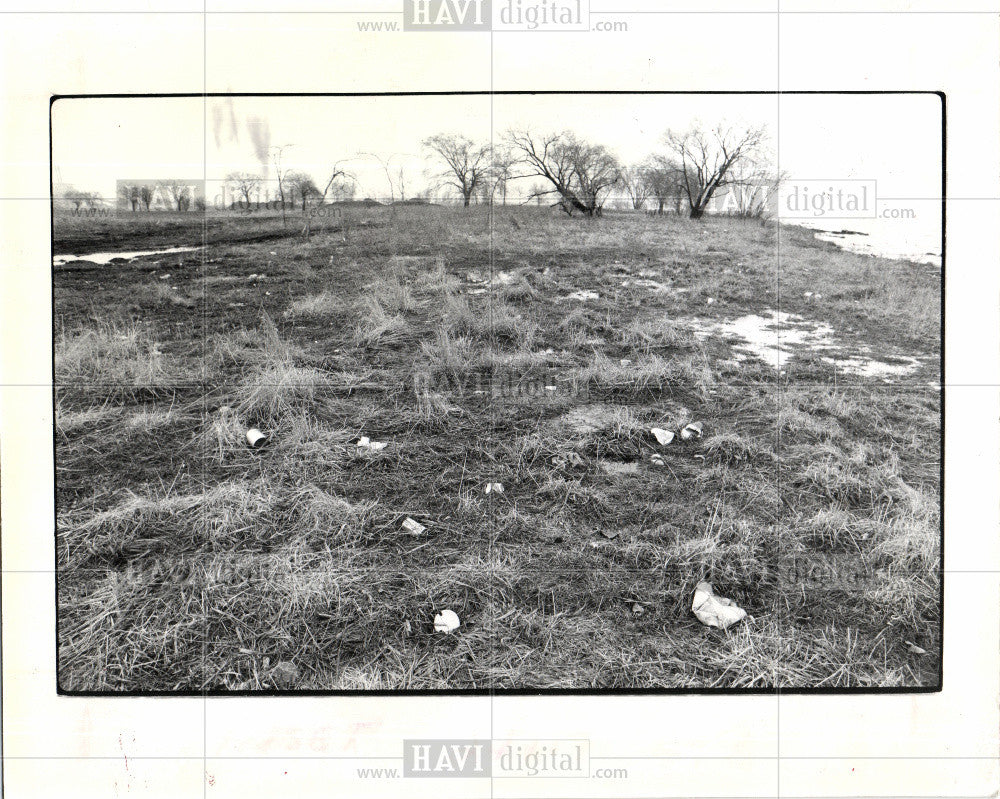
x=413, y=527
x=715, y=611
x=255, y=438
x=692, y=430
x=663, y=437
x=446, y=622
x=375, y=446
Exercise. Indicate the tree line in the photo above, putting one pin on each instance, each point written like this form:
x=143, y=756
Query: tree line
x=693, y=168
x=577, y=176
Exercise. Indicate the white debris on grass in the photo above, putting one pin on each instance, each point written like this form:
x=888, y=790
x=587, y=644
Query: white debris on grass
x=446, y=622
x=692, y=430
x=715, y=611
x=365, y=443
x=255, y=438
x=663, y=437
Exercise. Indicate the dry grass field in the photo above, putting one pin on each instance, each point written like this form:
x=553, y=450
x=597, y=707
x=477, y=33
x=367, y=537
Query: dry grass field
x=520, y=347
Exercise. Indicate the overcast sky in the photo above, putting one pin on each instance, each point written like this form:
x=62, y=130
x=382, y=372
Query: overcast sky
x=894, y=139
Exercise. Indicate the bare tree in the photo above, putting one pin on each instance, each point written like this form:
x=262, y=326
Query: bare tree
x=664, y=180
x=178, y=192
x=501, y=172
x=709, y=157
x=341, y=182
x=633, y=181
x=146, y=195
x=300, y=186
x=280, y=173
x=128, y=194
x=244, y=184
x=467, y=164
x=81, y=199
x=385, y=162
x=752, y=188
x=580, y=174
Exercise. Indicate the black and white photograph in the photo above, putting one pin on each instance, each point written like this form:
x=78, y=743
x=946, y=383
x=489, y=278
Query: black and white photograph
x=498, y=392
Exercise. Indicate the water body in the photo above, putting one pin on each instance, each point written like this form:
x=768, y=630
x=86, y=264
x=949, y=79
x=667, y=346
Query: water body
x=917, y=240
x=104, y=258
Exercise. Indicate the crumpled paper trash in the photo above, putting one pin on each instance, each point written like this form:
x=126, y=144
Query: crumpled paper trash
x=446, y=621
x=715, y=611
x=663, y=437
x=693, y=430
x=372, y=446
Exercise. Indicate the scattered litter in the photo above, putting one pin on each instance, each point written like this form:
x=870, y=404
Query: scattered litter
x=625, y=361
x=657, y=460
x=709, y=301
x=446, y=622
x=583, y=294
x=612, y=534
x=255, y=438
x=916, y=650
x=494, y=488
x=285, y=674
x=663, y=437
x=413, y=527
x=407, y=627
x=165, y=277
x=715, y=611
x=699, y=457
x=475, y=277
x=372, y=446
x=551, y=388
x=807, y=294
x=692, y=430
x=567, y=459
x=637, y=609
x=273, y=252
x=476, y=291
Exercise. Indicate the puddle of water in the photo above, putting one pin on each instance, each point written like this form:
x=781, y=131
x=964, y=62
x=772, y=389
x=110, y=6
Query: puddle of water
x=773, y=337
x=869, y=367
x=776, y=337
x=104, y=258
